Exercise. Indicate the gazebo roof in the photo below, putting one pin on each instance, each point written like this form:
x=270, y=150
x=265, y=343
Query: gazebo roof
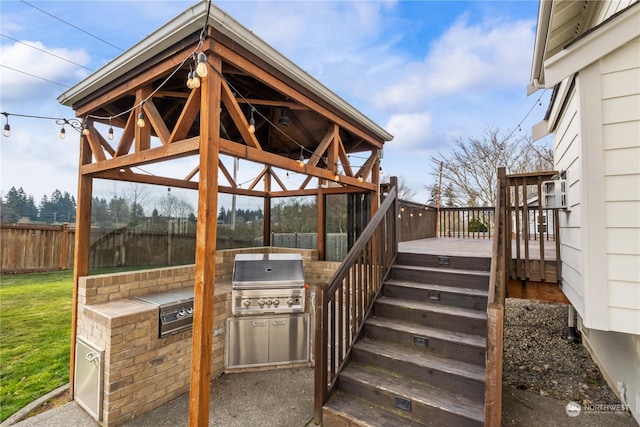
x=189, y=23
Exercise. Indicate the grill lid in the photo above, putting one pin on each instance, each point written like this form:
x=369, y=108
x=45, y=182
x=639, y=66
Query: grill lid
x=267, y=269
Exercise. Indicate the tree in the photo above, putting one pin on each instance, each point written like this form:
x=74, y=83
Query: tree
x=16, y=204
x=470, y=168
x=58, y=208
x=405, y=192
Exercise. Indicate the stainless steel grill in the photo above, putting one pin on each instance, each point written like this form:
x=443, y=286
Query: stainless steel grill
x=268, y=326
x=175, y=310
x=267, y=284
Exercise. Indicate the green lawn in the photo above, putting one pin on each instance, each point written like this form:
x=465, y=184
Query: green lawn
x=35, y=327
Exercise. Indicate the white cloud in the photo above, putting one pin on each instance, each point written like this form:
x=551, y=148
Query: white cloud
x=27, y=60
x=481, y=57
x=411, y=131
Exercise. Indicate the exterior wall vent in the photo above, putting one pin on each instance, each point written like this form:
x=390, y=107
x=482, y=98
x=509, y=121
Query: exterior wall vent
x=554, y=194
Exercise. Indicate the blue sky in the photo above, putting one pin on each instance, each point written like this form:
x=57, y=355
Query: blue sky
x=426, y=71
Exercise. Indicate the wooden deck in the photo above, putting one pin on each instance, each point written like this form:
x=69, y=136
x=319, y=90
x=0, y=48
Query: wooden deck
x=447, y=246
x=527, y=278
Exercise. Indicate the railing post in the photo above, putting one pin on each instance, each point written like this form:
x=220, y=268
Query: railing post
x=320, y=354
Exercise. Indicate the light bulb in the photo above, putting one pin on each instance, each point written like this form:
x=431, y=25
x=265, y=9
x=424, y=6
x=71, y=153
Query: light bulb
x=7, y=130
x=110, y=133
x=63, y=133
x=201, y=69
x=140, y=121
x=252, y=124
x=336, y=177
x=195, y=82
x=301, y=160
x=190, y=80
x=85, y=131
x=359, y=179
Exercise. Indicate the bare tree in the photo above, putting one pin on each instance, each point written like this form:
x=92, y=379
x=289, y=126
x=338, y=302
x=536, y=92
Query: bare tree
x=470, y=168
x=405, y=191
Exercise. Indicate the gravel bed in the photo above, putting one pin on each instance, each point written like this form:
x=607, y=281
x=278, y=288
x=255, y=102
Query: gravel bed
x=538, y=357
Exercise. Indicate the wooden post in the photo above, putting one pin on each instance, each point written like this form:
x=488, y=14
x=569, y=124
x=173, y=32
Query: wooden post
x=64, y=246
x=493, y=388
x=205, y=246
x=322, y=229
x=82, y=247
x=320, y=351
x=266, y=225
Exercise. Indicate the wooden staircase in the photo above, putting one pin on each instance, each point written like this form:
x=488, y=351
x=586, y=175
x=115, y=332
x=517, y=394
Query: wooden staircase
x=421, y=358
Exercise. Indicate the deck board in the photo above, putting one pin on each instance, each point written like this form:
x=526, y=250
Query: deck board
x=446, y=246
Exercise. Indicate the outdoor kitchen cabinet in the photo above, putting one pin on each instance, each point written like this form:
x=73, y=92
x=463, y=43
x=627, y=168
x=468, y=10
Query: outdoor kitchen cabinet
x=267, y=340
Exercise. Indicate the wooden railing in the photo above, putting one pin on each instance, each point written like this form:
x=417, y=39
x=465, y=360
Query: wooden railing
x=345, y=302
x=498, y=281
x=466, y=222
x=531, y=228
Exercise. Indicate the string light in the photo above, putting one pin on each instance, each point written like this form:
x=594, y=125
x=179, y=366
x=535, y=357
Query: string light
x=140, y=123
x=7, y=129
x=63, y=133
x=201, y=69
x=252, y=122
x=110, y=130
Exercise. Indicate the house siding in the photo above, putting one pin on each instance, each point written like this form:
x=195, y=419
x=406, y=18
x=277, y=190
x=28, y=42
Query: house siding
x=596, y=129
x=567, y=158
x=620, y=86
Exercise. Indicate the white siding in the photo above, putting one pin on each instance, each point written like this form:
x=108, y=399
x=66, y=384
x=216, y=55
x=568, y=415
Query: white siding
x=620, y=78
x=620, y=355
x=567, y=157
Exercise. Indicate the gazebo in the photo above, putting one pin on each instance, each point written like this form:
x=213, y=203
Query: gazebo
x=203, y=86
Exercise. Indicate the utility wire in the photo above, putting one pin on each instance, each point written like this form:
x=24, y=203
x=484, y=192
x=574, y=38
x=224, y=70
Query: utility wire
x=44, y=51
x=33, y=75
x=71, y=25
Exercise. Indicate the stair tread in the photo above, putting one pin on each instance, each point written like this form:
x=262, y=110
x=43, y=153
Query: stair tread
x=422, y=359
x=437, y=308
x=416, y=391
x=435, y=287
x=427, y=331
x=479, y=273
x=364, y=413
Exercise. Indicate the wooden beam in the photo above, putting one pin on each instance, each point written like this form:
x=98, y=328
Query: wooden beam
x=236, y=114
x=187, y=117
x=142, y=134
x=258, y=178
x=128, y=135
x=269, y=79
x=156, y=121
x=277, y=178
x=94, y=142
x=226, y=174
x=130, y=85
x=82, y=250
x=537, y=291
x=204, y=286
x=322, y=147
x=187, y=147
x=270, y=159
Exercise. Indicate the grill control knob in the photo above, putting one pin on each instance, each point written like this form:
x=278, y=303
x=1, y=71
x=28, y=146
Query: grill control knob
x=190, y=310
x=246, y=303
x=261, y=303
x=181, y=314
x=269, y=302
x=276, y=302
x=290, y=302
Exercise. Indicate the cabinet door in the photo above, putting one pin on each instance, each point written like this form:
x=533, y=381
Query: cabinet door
x=248, y=342
x=288, y=341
